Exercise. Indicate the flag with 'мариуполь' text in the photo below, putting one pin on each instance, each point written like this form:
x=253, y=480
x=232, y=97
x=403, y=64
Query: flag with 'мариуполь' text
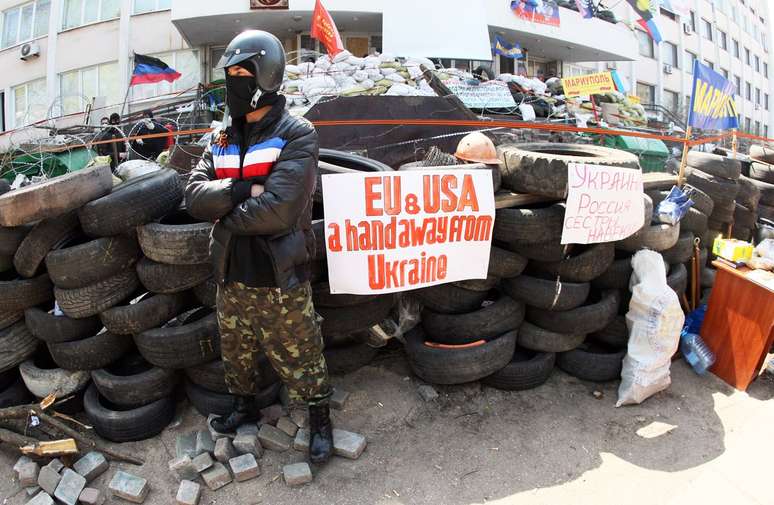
x=712, y=101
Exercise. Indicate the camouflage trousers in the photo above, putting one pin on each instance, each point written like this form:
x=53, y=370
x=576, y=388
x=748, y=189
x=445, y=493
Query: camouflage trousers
x=282, y=325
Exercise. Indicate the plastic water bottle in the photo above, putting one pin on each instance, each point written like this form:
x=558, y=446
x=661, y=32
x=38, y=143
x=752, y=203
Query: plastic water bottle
x=696, y=352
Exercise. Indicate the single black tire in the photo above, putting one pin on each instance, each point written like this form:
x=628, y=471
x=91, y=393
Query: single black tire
x=19, y=294
x=43, y=237
x=6, y=263
x=55, y=196
x=488, y=322
x=719, y=189
x=91, y=300
x=678, y=279
x=348, y=359
x=485, y=284
x=766, y=211
x=529, y=225
x=461, y=365
x=749, y=193
x=323, y=297
x=161, y=278
x=352, y=318
x=541, y=169
x=681, y=251
x=657, y=237
x=90, y=262
x=9, y=318
x=536, y=338
x=615, y=334
x=16, y=345
x=505, y=264
x=526, y=370
x=347, y=161
x=210, y=402
x=744, y=217
x=43, y=381
x=723, y=213
x=184, y=346
x=545, y=251
x=450, y=299
x=617, y=275
x=715, y=164
x=90, y=353
x=47, y=327
x=150, y=311
x=212, y=376
x=584, y=319
x=15, y=394
x=546, y=293
x=701, y=200
x=207, y=292
x=127, y=424
x=762, y=153
x=761, y=171
x=742, y=233
x=767, y=192
x=135, y=202
x=592, y=362
x=137, y=388
x=11, y=238
x=694, y=221
x=589, y=264
x=177, y=239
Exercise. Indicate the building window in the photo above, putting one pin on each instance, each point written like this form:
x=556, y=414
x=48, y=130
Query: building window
x=723, y=40
x=692, y=21
x=765, y=70
x=143, y=6
x=646, y=44
x=25, y=22
x=757, y=127
x=747, y=56
x=669, y=54
x=689, y=59
x=724, y=72
x=668, y=14
x=78, y=87
x=671, y=101
x=766, y=101
x=736, y=48
x=186, y=62
x=738, y=82
x=766, y=131
x=30, y=103
x=758, y=96
x=748, y=91
x=706, y=29
x=646, y=92
x=82, y=12
x=757, y=63
x=747, y=125
x=709, y=64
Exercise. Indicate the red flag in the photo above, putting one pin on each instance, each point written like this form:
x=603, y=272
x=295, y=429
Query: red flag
x=324, y=30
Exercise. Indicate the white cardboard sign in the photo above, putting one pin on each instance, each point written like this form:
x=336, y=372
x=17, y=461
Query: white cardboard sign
x=604, y=204
x=395, y=231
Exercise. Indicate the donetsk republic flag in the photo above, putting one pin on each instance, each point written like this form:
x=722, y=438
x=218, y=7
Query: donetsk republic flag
x=148, y=69
x=712, y=101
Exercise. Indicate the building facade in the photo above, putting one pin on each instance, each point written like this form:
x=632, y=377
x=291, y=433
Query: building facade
x=59, y=56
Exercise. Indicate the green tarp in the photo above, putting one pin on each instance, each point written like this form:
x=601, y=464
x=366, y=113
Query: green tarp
x=50, y=164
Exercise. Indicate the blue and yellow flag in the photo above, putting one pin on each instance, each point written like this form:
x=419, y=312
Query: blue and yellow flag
x=501, y=47
x=712, y=100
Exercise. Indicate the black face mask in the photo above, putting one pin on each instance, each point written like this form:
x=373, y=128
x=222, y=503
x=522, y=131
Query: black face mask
x=239, y=93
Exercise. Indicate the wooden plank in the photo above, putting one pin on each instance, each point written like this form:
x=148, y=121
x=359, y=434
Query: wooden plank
x=738, y=327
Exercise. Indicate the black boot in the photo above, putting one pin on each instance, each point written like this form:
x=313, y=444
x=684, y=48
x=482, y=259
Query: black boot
x=321, y=434
x=245, y=411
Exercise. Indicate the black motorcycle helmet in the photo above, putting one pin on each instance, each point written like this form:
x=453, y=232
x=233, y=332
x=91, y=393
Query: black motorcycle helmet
x=262, y=54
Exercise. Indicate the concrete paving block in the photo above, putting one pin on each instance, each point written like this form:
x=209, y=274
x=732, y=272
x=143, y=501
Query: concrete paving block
x=427, y=392
x=247, y=429
x=216, y=477
x=224, y=450
x=91, y=466
x=204, y=442
x=339, y=398
x=42, y=498
x=48, y=479
x=28, y=474
x=288, y=426
x=244, y=467
x=345, y=443
x=185, y=445
x=19, y=462
x=271, y=414
x=188, y=493
x=274, y=439
x=216, y=435
x=300, y=417
x=248, y=444
x=297, y=474
x=70, y=487
x=91, y=496
x=32, y=491
x=183, y=468
x=202, y=462
x=129, y=487
x=56, y=465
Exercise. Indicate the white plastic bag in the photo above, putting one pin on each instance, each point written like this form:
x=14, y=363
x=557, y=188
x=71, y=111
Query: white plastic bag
x=655, y=320
x=765, y=249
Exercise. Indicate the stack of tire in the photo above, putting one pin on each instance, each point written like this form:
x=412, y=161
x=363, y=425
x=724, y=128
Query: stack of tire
x=346, y=319
x=762, y=176
x=543, y=303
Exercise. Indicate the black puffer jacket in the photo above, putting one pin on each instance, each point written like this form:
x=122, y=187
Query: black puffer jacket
x=219, y=192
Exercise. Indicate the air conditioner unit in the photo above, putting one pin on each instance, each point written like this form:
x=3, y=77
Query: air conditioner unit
x=687, y=29
x=29, y=50
x=612, y=65
x=667, y=68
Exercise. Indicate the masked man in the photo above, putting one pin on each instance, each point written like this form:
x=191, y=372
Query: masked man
x=255, y=182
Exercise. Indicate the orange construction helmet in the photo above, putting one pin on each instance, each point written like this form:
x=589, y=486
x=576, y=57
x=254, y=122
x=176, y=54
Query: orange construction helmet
x=477, y=148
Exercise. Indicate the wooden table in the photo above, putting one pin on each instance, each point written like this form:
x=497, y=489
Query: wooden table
x=739, y=324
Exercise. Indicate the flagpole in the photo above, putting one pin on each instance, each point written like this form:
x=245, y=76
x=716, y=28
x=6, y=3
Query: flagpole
x=733, y=142
x=126, y=97
x=684, y=160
